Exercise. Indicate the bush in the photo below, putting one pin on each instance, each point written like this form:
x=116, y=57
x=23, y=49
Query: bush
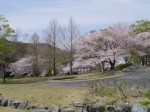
x=147, y=94
x=123, y=90
x=122, y=66
x=145, y=102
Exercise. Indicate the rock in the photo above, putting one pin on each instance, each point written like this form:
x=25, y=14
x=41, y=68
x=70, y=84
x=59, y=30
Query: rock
x=68, y=109
x=16, y=103
x=148, y=107
x=31, y=107
x=110, y=109
x=79, y=104
x=120, y=104
x=126, y=109
x=89, y=107
x=1, y=99
x=122, y=107
x=59, y=110
x=4, y=102
x=53, y=109
x=10, y=103
x=23, y=105
x=98, y=107
x=42, y=110
x=43, y=107
x=139, y=108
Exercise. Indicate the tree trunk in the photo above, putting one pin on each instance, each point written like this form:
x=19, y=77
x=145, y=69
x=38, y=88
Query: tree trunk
x=146, y=60
x=54, y=64
x=71, y=71
x=112, y=67
x=102, y=66
x=71, y=59
x=143, y=61
x=112, y=64
x=3, y=74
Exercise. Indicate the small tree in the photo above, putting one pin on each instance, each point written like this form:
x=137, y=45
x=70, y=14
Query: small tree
x=71, y=34
x=6, y=45
x=35, y=40
x=52, y=39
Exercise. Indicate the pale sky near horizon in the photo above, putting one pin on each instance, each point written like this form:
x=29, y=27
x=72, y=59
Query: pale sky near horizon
x=34, y=15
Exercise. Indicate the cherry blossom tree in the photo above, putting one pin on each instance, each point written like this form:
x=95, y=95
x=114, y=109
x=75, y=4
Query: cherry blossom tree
x=105, y=46
x=24, y=65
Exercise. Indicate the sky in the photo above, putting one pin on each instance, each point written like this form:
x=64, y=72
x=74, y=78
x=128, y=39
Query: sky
x=34, y=15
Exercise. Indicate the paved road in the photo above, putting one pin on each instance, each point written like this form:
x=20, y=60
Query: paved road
x=137, y=75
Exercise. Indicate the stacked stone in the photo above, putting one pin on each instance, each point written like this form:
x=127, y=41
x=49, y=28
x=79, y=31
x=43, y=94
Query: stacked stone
x=77, y=107
x=25, y=105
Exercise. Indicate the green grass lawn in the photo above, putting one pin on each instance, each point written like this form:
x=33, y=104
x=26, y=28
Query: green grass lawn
x=24, y=80
x=83, y=77
x=80, y=77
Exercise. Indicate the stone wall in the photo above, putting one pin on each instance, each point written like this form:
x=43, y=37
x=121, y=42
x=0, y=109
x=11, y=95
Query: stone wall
x=76, y=107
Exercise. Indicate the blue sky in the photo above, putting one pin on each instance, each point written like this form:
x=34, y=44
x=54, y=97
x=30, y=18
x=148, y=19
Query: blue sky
x=34, y=15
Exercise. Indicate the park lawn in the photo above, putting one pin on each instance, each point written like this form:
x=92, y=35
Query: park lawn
x=86, y=77
x=24, y=80
x=92, y=76
x=79, y=77
x=43, y=95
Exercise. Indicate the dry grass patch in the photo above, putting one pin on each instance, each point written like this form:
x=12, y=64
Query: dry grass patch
x=43, y=95
x=6, y=109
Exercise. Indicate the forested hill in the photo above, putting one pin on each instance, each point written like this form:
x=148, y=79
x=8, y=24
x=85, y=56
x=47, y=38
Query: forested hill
x=24, y=49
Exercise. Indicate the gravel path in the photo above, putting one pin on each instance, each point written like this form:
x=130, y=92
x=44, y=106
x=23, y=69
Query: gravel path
x=139, y=75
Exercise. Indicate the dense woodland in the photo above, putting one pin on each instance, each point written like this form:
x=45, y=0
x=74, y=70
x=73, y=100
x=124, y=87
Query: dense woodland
x=64, y=50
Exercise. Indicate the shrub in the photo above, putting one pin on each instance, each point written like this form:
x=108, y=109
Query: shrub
x=145, y=102
x=147, y=94
x=122, y=66
x=123, y=90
